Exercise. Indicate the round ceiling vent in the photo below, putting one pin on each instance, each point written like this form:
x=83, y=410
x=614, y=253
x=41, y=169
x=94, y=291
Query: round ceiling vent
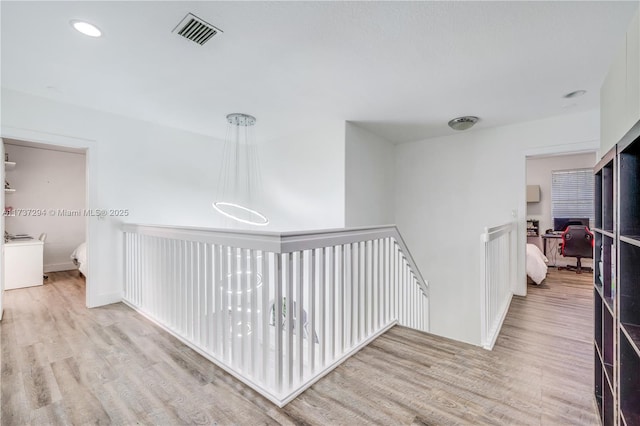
x=463, y=123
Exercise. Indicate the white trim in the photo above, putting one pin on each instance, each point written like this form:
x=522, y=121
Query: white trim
x=493, y=233
x=285, y=242
x=565, y=149
x=91, y=173
x=493, y=334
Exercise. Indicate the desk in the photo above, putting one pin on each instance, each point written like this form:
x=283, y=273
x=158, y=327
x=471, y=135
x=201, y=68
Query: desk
x=23, y=263
x=546, y=237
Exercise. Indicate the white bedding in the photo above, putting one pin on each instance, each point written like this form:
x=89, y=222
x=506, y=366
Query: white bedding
x=79, y=257
x=536, y=264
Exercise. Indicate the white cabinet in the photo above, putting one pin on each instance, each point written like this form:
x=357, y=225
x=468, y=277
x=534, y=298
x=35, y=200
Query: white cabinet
x=633, y=73
x=613, y=102
x=620, y=93
x=533, y=193
x=23, y=264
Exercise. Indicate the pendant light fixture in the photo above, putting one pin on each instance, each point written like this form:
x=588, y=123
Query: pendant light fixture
x=239, y=180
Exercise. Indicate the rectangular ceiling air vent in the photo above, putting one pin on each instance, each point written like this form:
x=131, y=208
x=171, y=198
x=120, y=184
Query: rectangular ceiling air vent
x=196, y=29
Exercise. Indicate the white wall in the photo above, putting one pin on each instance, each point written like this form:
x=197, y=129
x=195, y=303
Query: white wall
x=539, y=171
x=167, y=176
x=370, y=178
x=449, y=188
x=303, y=177
x=48, y=180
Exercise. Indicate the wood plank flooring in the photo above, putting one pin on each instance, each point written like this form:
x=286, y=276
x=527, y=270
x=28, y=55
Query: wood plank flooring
x=64, y=364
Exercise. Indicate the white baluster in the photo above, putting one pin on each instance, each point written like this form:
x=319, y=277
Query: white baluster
x=290, y=360
x=323, y=304
x=361, y=284
x=313, y=290
x=219, y=299
x=243, y=309
x=375, y=282
x=279, y=290
x=255, y=284
x=264, y=314
x=331, y=283
x=212, y=299
x=347, y=296
x=355, y=297
x=299, y=315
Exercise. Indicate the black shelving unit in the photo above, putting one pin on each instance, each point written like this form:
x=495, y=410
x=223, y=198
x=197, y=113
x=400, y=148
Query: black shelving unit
x=629, y=382
x=629, y=281
x=617, y=284
x=605, y=298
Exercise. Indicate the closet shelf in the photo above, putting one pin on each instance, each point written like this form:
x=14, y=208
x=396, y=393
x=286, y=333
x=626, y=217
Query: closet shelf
x=598, y=287
x=608, y=372
x=631, y=239
x=8, y=165
x=9, y=190
x=598, y=350
x=608, y=368
x=609, y=234
x=632, y=332
x=608, y=302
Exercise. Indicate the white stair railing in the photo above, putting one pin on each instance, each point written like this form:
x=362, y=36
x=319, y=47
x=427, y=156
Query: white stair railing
x=498, y=257
x=277, y=311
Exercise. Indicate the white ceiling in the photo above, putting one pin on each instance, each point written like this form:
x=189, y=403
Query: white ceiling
x=401, y=69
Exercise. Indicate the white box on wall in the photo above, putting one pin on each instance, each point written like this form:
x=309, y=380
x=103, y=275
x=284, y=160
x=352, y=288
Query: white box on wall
x=533, y=193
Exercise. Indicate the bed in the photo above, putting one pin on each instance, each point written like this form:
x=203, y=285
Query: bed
x=536, y=264
x=79, y=257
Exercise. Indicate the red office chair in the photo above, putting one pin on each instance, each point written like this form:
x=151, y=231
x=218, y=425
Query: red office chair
x=578, y=242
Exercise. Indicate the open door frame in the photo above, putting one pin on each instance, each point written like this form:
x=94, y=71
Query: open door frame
x=91, y=196
x=2, y=173
x=520, y=285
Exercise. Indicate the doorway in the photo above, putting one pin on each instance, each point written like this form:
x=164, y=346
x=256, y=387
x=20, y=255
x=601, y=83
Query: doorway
x=58, y=245
x=558, y=186
x=46, y=203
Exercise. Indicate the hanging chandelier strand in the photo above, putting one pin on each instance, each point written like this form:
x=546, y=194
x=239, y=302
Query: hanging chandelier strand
x=239, y=174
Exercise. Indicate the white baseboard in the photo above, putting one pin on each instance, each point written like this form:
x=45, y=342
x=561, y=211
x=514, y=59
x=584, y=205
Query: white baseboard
x=56, y=267
x=493, y=335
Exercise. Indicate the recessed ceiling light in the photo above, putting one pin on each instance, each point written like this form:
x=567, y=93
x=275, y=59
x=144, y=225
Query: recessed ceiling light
x=86, y=28
x=575, y=94
x=463, y=123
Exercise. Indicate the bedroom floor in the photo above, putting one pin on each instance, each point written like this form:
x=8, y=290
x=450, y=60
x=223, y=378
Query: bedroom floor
x=65, y=364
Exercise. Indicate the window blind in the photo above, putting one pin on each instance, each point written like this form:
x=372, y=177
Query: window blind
x=572, y=193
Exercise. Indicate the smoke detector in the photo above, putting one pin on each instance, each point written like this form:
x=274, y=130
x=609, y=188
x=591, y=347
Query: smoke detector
x=196, y=29
x=463, y=123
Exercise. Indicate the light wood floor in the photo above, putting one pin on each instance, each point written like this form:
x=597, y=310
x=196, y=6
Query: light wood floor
x=65, y=364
